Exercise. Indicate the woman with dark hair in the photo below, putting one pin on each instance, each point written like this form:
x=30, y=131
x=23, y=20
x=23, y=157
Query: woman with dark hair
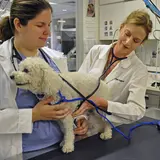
x=26, y=123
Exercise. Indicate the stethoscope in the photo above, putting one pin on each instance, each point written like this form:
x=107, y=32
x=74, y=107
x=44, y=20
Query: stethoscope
x=16, y=55
x=112, y=61
x=127, y=137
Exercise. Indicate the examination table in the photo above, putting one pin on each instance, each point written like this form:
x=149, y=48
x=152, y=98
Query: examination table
x=145, y=145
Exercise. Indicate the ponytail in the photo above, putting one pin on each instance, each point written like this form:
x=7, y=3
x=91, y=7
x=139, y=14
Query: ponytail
x=5, y=29
x=24, y=10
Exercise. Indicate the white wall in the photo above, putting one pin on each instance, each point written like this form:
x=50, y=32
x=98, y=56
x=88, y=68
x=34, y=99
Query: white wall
x=87, y=29
x=144, y=52
x=91, y=27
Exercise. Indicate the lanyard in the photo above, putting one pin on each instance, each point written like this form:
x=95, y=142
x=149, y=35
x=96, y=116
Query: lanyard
x=45, y=56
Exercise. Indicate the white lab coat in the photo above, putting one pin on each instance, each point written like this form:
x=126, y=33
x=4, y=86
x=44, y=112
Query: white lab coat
x=13, y=122
x=127, y=83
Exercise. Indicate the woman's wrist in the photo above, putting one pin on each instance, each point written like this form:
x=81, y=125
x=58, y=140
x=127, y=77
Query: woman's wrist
x=102, y=103
x=80, y=117
x=34, y=116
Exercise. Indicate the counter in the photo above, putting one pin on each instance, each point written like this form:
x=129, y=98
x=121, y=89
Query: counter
x=144, y=145
x=150, y=88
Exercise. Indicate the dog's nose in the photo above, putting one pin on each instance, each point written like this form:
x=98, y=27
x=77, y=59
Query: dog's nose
x=12, y=77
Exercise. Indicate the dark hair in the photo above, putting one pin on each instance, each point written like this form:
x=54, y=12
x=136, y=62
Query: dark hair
x=24, y=10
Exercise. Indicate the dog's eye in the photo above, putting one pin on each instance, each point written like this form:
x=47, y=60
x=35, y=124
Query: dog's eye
x=26, y=70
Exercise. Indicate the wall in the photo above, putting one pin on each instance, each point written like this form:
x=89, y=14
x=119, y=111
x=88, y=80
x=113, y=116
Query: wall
x=87, y=30
x=91, y=27
x=144, y=52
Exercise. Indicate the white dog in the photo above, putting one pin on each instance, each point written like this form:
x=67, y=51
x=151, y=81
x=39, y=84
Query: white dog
x=37, y=76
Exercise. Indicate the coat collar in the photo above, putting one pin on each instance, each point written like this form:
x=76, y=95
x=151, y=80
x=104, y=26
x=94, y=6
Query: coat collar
x=104, y=51
x=124, y=63
x=5, y=56
x=5, y=62
x=6, y=49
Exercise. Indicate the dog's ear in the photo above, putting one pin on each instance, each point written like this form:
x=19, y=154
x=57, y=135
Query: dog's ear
x=51, y=82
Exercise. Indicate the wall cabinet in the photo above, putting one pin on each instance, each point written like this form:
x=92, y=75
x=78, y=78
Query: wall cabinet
x=111, y=16
x=102, y=2
x=116, y=13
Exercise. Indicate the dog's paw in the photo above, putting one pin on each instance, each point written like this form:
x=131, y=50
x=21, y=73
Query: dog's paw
x=67, y=148
x=106, y=135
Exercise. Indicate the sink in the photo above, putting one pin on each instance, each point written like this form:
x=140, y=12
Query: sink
x=153, y=113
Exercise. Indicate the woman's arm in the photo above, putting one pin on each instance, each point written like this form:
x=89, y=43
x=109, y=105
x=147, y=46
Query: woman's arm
x=13, y=120
x=135, y=107
x=132, y=110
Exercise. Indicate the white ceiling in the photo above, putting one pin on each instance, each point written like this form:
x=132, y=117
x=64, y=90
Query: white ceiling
x=68, y=5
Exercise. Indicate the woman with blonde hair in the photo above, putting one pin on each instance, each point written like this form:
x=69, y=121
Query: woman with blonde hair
x=127, y=77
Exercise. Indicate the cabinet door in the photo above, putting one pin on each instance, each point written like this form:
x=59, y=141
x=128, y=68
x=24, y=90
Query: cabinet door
x=152, y=100
x=139, y=4
x=111, y=17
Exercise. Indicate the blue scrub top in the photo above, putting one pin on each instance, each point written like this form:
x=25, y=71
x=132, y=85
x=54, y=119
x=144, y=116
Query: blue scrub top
x=44, y=133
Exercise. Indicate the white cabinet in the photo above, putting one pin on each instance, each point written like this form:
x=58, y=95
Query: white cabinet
x=111, y=16
x=102, y=2
x=117, y=13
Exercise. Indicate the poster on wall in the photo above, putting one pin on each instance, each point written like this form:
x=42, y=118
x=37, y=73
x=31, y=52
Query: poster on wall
x=108, y=28
x=91, y=8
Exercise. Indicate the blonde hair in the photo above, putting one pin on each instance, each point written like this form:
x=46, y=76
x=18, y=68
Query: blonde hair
x=140, y=18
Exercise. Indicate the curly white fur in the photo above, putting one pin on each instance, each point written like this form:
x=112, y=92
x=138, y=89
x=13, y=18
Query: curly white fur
x=37, y=76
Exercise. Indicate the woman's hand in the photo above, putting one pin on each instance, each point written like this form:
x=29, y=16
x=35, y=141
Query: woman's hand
x=43, y=111
x=100, y=102
x=82, y=127
x=85, y=107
